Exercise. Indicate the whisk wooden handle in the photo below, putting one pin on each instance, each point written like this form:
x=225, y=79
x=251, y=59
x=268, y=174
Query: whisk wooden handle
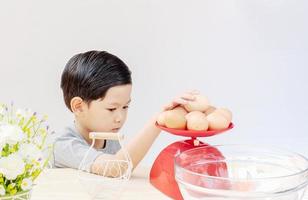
x=106, y=136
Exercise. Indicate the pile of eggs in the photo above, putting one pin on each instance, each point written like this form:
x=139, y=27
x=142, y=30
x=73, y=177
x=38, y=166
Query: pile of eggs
x=197, y=115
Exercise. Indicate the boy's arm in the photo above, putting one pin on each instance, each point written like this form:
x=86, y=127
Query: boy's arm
x=141, y=143
x=136, y=148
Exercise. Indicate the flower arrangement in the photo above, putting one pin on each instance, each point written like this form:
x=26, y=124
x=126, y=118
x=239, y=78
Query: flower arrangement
x=22, y=147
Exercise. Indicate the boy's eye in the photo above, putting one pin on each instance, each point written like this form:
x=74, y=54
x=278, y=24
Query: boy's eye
x=111, y=109
x=125, y=107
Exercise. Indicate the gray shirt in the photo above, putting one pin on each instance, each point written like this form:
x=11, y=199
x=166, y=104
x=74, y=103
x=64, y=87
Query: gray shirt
x=70, y=148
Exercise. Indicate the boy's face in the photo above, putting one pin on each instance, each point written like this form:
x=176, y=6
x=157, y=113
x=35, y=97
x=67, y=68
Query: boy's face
x=107, y=114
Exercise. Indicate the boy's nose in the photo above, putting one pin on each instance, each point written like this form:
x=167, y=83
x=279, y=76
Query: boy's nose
x=118, y=118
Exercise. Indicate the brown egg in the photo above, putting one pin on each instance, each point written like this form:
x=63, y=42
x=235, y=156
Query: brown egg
x=180, y=109
x=217, y=121
x=201, y=103
x=175, y=119
x=225, y=112
x=161, y=119
x=210, y=110
x=197, y=121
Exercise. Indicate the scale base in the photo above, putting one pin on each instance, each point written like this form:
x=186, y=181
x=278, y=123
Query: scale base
x=162, y=172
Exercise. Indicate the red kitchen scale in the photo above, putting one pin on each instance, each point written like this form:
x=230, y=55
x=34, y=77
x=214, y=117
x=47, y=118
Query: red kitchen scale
x=162, y=175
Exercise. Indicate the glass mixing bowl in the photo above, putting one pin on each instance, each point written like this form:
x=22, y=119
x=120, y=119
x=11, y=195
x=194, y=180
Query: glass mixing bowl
x=239, y=172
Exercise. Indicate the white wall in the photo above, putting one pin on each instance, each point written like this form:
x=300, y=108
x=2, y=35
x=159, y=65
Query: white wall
x=250, y=56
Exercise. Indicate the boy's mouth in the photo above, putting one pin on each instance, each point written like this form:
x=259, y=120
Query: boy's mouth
x=115, y=130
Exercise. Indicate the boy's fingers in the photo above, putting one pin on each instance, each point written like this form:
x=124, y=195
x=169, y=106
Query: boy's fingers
x=168, y=107
x=174, y=103
x=178, y=101
x=188, y=96
x=182, y=99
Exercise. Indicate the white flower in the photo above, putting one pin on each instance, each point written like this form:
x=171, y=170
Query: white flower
x=12, y=166
x=26, y=184
x=41, y=163
x=2, y=190
x=10, y=134
x=30, y=152
x=26, y=113
x=37, y=139
x=1, y=109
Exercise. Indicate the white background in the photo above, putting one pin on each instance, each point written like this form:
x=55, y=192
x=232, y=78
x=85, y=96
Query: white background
x=248, y=55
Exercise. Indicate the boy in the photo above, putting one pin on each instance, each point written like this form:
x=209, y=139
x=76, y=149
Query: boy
x=97, y=89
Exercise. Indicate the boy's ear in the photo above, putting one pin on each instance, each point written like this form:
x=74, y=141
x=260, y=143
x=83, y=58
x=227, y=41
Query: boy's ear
x=77, y=105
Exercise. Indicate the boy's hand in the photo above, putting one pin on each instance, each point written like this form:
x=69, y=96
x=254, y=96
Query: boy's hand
x=181, y=100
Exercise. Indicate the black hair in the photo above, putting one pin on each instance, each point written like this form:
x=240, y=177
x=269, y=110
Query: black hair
x=89, y=75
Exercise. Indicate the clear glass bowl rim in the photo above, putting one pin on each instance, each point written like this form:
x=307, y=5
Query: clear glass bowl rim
x=267, y=147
